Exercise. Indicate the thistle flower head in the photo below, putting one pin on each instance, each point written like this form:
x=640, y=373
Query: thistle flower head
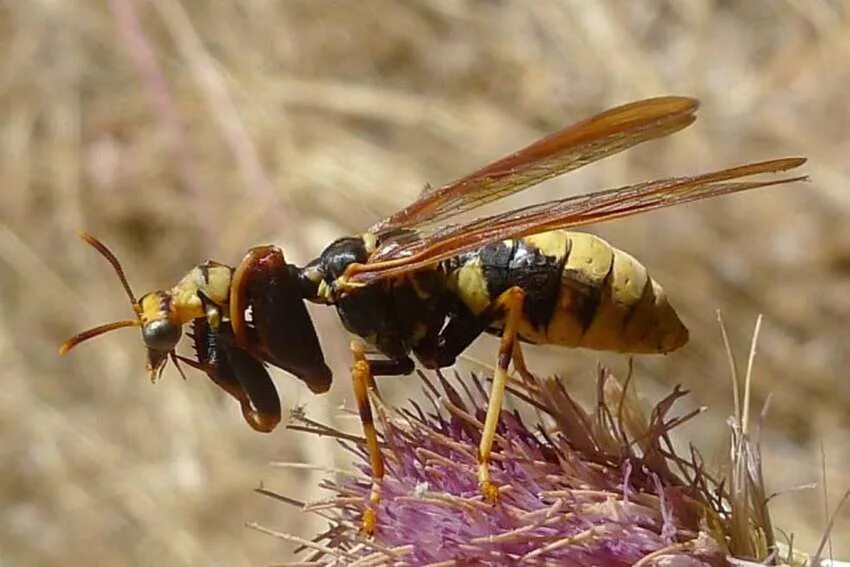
x=577, y=487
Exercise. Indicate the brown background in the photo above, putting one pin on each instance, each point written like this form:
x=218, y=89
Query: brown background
x=180, y=131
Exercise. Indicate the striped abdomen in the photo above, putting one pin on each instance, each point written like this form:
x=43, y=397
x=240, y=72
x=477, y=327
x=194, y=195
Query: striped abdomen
x=580, y=292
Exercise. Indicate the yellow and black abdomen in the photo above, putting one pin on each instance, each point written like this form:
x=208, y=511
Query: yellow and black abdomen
x=580, y=292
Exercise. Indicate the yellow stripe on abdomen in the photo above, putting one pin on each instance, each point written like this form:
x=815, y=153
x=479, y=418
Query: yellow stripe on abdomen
x=609, y=302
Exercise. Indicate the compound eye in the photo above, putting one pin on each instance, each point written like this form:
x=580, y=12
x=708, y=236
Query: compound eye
x=161, y=335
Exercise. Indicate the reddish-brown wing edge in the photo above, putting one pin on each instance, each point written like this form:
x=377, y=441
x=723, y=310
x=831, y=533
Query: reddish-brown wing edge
x=565, y=213
x=590, y=140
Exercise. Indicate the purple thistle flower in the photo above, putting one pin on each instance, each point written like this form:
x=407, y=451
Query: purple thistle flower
x=577, y=488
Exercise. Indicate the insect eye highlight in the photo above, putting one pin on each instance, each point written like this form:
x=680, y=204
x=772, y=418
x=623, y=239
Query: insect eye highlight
x=161, y=335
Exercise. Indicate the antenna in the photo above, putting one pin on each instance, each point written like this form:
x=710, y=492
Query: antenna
x=105, y=328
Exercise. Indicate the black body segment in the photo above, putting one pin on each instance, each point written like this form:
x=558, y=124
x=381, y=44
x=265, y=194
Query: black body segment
x=338, y=255
x=392, y=315
x=518, y=263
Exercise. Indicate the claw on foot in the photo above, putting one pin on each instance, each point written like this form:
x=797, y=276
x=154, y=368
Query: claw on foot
x=370, y=520
x=490, y=492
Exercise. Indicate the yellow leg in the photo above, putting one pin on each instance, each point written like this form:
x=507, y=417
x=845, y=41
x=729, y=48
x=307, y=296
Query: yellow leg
x=361, y=377
x=510, y=302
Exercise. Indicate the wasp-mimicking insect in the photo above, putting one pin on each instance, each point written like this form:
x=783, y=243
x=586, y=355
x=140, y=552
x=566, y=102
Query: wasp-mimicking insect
x=417, y=284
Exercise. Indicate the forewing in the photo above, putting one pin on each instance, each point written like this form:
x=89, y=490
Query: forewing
x=445, y=242
x=597, y=137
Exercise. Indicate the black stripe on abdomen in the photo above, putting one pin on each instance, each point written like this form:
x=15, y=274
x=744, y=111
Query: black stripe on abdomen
x=518, y=263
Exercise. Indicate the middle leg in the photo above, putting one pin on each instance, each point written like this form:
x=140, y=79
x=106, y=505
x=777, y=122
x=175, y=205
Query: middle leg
x=362, y=377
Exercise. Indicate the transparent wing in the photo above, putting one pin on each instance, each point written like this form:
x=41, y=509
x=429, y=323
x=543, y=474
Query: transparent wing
x=597, y=137
x=441, y=243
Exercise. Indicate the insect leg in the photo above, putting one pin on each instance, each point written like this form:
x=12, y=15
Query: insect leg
x=219, y=371
x=235, y=371
x=510, y=304
x=362, y=378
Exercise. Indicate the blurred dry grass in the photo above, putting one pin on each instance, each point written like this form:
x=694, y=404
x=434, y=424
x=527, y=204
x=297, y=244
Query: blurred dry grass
x=178, y=131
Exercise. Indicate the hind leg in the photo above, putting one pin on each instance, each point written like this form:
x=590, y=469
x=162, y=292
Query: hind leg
x=510, y=304
x=441, y=349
